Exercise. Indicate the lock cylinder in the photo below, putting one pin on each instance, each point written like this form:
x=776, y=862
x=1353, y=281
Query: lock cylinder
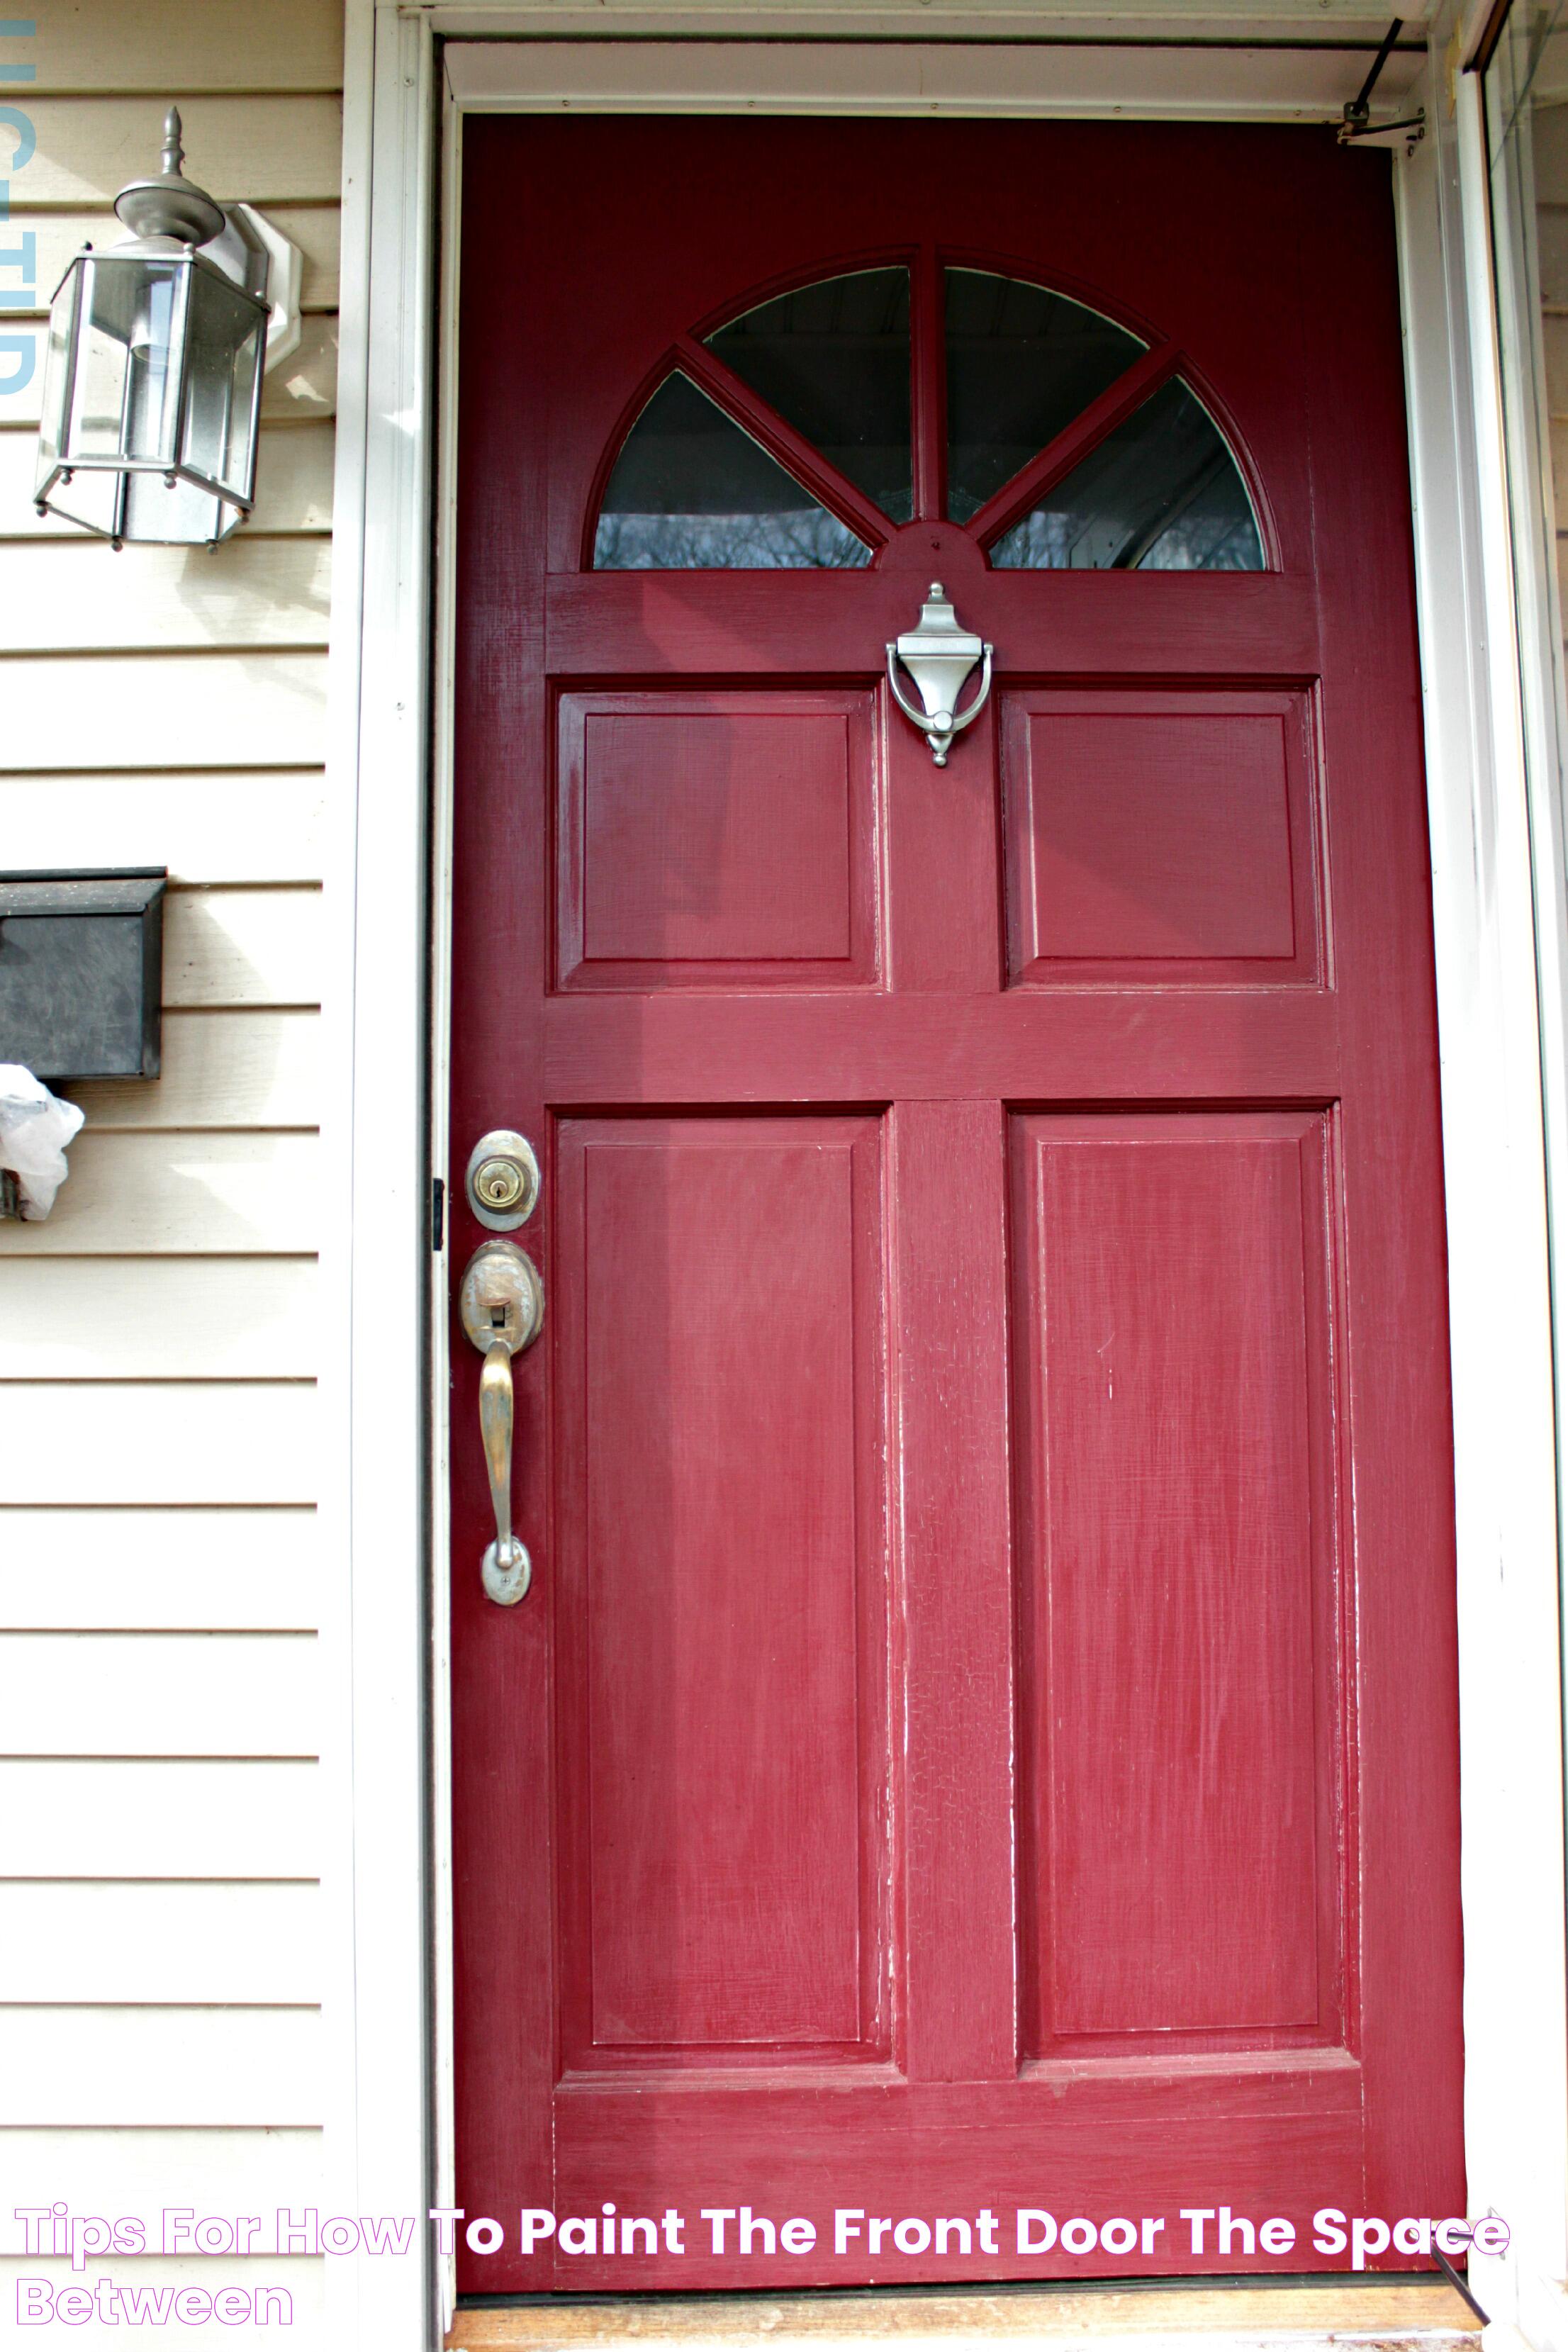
x=502, y=1181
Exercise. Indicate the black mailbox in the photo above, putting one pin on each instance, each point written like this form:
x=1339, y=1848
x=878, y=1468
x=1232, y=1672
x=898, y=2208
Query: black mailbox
x=81, y=971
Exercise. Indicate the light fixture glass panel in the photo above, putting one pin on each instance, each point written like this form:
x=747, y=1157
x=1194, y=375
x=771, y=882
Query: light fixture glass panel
x=1022, y=363
x=91, y=498
x=834, y=359
x=1163, y=493
x=176, y=513
x=691, y=492
x=227, y=341
x=52, y=428
x=126, y=394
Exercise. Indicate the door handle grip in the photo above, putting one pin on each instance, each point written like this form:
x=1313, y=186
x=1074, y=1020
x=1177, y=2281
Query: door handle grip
x=502, y=1306
x=506, y=1561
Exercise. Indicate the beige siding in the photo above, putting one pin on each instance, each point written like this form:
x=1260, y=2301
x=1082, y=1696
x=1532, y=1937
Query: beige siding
x=159, y=1576
x=159, y=1320
x=293, y=492
x=221, y=46
x=312, y=228
x=114, y=2064
x=254, y=592
x=245, y=826
x=162, y=1818
x=156, y=712
x=125, y=1940
x=216, y=2171
x=271, y=152
x=172, y=1194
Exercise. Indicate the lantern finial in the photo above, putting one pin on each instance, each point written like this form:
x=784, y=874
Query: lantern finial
x=169, y=205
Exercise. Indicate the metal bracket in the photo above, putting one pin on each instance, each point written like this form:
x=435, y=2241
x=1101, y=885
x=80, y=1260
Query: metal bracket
x=1357, y=123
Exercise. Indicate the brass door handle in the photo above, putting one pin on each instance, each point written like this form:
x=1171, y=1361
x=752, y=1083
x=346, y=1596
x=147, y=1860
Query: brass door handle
x=502, y=1306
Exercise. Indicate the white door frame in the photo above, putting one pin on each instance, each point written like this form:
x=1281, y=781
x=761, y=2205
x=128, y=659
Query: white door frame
x=389, y=2111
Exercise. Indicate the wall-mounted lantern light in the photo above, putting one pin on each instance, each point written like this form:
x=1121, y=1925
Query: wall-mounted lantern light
x=156, y=352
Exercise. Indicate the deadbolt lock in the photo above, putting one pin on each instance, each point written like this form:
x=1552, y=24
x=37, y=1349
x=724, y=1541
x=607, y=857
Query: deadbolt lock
x=502, y=1180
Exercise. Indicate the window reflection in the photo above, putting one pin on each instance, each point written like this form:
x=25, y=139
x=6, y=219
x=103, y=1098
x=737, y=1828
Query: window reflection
x=1161, y=493
x=690, y=491
x=834, y=359
x=1022, y=363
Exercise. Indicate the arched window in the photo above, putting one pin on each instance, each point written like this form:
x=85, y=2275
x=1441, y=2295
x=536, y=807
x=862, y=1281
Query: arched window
x=785, y=440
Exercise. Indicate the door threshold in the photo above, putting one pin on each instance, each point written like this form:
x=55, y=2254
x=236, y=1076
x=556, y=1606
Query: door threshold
x=1381, y=2315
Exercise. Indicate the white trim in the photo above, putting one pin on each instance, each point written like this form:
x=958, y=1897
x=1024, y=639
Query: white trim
x=1524, y=398
x=1011, y=79
x=1499, y=1272
x=380, y=669
x=1152, y=22
x=1487, y=979
x=441, y=820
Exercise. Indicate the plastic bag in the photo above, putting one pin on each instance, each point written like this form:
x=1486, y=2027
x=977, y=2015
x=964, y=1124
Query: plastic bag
x=35, y=1129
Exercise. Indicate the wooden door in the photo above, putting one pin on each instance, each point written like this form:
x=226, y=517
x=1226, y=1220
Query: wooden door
x=983, y=1733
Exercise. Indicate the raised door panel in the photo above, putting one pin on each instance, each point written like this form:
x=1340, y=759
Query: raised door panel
x=1160, y=837
x=722, y=1590
x=714, y=839
x=1181, y=1851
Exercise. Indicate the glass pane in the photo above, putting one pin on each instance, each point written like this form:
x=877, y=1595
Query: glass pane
x=225, y=352
x=1021, y=364
x=1160, y=494
x=834, y=359
x=179, y=513
x=691, y=492
x=52, y=428
x=126, y=392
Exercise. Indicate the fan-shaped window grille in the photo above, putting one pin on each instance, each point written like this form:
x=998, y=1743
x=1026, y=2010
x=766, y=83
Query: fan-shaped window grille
x=786, y=441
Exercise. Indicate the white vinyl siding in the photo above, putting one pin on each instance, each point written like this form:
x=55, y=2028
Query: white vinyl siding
x=160, y=1578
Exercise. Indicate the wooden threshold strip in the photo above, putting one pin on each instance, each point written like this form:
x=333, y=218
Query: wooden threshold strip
x=1423, y=2315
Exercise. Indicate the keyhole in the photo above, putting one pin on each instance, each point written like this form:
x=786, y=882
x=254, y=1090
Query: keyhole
x=498, y=1319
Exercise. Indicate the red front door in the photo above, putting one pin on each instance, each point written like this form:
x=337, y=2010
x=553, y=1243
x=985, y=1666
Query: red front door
x=983, y=1732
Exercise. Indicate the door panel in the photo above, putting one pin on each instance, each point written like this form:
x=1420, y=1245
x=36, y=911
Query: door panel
x=675, y=871
x=1177, y=1574
x=962, y=1748
x=1160, y=837
x=721, y=1695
